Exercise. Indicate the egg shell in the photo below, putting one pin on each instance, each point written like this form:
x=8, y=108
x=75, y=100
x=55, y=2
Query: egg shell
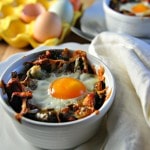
x=64, y=9
x=47, y=25
x=31, y=11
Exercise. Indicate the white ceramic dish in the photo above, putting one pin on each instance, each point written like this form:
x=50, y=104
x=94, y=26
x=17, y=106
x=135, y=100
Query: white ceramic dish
x=87, y=28
x=117, y=22
x=53, y=135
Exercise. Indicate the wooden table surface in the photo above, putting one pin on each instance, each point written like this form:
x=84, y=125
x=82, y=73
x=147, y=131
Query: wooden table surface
x=7, y=50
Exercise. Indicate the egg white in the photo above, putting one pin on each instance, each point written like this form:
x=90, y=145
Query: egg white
x=42, y=99
x=128, y=6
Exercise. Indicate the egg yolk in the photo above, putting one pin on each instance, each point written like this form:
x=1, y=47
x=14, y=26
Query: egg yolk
x=67, y=88
x=139, y=8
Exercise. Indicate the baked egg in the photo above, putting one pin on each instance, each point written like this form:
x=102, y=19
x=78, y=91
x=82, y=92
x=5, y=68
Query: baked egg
x=139, y=9
x=60, y=90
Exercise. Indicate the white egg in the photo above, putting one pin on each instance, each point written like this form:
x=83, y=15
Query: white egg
x=43, y=99
x=64, y=9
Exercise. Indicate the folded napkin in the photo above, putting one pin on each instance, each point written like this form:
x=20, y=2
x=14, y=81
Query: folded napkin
x=127, y=126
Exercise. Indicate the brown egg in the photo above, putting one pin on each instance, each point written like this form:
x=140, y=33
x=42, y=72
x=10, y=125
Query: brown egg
x=76, y=4
x=47, y=25
x=31, y=11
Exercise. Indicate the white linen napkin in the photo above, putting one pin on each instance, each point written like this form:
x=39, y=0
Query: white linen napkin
x=128, y=124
